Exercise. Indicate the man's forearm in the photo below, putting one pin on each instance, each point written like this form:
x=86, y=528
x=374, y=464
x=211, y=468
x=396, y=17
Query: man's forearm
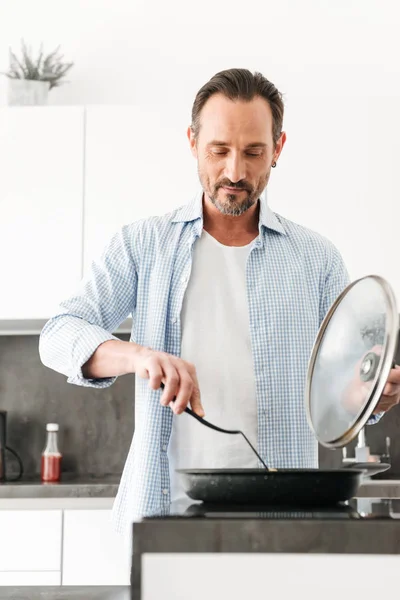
x=111, y=359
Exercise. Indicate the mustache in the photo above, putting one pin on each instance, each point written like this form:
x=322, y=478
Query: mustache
x=237, y=186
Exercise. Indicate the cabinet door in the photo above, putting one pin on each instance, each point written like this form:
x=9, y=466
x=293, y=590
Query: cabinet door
x=31, y=540
x=17, y=578
x=93, y=553
x=264, y=576
x=41, y=203
x=137, y=164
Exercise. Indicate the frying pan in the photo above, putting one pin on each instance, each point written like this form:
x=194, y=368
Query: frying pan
x=283, y=487
x=347, y=372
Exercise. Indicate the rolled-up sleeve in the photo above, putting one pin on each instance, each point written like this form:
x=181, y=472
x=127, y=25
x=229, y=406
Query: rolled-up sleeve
x=104, y=299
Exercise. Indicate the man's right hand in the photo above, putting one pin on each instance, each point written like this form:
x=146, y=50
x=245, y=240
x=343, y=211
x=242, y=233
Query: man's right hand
x=178, y=376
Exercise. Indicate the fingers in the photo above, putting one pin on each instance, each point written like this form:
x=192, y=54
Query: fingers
x=394, y=376
x=386, y=403
x=184, y=388
x=195, y=400
x=178, y=377
x=391, y=389
x=156, y=374
x=184, y=394
x=171, y=382
x=391, y=392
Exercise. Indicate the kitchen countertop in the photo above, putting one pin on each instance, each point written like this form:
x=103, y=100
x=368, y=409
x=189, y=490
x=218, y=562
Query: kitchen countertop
x=65, y=593
x=87, y=486
x=70, y=487
x=363, y=526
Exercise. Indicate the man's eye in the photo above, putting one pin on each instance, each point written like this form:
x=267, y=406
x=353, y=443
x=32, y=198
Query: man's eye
x=223, y=152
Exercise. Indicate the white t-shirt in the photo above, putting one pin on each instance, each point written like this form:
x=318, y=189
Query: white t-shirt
x=216, y=339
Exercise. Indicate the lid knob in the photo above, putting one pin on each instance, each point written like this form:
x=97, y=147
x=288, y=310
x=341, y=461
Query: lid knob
x=369, y=366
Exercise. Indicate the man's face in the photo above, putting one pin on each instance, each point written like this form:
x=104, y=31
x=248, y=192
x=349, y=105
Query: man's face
x=234, y=151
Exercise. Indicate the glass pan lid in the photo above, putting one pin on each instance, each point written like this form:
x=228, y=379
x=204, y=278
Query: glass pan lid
x=351, y=360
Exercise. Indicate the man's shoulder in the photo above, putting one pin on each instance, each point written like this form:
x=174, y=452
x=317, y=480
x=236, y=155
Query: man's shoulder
x=306, y=238
x=154, y=222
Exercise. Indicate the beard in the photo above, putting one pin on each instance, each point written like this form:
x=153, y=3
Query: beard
x=233, y=204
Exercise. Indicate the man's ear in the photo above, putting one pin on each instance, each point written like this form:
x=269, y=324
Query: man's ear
x=192, y=141
x=279, y=146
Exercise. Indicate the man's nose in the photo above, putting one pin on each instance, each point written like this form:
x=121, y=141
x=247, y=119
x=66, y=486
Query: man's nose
x=235, y=168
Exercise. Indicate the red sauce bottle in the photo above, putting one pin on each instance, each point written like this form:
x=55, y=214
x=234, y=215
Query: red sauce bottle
x=51, y=456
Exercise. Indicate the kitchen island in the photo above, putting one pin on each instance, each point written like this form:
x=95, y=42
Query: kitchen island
x=234, y=553
x=65, y=593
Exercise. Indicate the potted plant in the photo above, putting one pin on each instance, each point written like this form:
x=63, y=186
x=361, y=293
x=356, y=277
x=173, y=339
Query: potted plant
x=30, y=79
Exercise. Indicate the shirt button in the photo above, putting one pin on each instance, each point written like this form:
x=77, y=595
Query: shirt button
x=174, y=320
x=164, y=447
x=184, y=279
x=165, y=491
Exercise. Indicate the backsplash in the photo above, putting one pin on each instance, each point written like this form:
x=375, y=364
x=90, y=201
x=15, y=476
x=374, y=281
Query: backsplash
x=96, y=426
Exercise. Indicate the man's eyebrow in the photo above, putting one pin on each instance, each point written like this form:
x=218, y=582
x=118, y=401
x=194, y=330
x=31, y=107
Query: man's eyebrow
x=257, y=145
x=252, y=145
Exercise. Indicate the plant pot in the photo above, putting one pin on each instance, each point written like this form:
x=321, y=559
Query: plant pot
x=23, y=92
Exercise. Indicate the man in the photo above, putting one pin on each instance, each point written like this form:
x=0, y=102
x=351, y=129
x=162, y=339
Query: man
x=227, y=298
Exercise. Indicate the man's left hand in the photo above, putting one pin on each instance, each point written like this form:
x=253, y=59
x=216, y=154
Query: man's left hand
x=391, y=392
x=357, y=391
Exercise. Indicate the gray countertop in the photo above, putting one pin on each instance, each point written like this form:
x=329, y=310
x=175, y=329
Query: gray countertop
x=268, y=534
x=364, y=526
x=70, y=487
x=87, y=486
x=65, y=593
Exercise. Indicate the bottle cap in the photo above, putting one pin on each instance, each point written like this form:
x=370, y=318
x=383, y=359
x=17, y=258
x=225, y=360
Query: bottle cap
x=52, y=427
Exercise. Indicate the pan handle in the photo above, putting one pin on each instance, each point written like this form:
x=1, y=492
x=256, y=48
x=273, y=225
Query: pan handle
x=230, y=431
x=369, y=468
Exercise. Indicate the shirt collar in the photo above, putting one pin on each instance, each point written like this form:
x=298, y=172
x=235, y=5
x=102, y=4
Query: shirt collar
x=194, y=210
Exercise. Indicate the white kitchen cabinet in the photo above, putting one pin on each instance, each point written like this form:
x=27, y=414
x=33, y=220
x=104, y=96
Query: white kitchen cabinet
x=137, y=164
x=93, y=553
x=41, y=203
x=18, y=578
x=31, y=541
x=262, y=576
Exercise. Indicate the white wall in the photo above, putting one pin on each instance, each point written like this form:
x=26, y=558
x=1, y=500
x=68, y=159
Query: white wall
x=337, y=62
x=154, y=50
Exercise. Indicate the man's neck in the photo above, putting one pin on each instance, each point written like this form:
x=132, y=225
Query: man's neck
x=231, y=230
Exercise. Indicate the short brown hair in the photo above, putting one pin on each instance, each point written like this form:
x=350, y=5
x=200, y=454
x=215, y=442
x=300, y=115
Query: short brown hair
x=240, y=84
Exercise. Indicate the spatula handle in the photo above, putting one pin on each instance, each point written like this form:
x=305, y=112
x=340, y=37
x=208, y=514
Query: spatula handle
x=190, y=412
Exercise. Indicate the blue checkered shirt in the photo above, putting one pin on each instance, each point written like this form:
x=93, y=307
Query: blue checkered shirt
x=293, y=276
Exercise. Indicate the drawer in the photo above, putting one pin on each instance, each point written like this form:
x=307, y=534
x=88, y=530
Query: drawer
x=31, y=540
x=93, y=553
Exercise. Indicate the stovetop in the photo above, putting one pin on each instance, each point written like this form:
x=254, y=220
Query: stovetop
x=357, y=508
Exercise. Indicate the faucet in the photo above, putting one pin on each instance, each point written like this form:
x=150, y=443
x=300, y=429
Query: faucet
x=362, y=451
x=385, y=458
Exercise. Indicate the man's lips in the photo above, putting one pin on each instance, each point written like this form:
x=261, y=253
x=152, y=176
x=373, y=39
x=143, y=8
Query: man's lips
x=232, y=189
